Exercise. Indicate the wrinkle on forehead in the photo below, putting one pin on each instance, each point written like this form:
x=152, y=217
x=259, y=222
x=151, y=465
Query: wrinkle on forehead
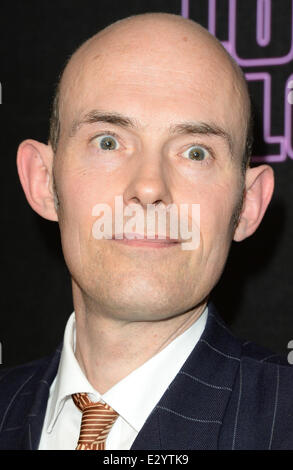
x=154, y=45
x=161, y=37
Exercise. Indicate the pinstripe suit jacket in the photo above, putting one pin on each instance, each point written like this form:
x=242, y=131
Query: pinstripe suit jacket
x=227, y=395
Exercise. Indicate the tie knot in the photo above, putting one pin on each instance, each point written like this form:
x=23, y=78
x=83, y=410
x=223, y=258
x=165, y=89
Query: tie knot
x=82, y=401
x=97, y=420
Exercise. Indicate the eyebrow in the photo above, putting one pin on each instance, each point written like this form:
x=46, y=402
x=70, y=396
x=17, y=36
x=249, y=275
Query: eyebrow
x=98, y=116
x=189, y=127
x=203, y=128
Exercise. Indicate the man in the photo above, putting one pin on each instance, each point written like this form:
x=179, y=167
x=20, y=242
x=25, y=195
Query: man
x=152, y=110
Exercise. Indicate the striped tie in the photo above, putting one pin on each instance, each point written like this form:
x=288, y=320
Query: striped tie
x=97, y=420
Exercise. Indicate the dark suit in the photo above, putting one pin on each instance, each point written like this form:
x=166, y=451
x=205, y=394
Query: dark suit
x=228, y=395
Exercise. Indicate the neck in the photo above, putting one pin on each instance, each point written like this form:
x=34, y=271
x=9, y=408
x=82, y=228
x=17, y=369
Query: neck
x=108, y=349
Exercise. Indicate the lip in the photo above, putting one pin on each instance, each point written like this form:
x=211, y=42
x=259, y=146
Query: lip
x=144, y=242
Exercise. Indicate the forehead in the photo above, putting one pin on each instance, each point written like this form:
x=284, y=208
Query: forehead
x=156, y=82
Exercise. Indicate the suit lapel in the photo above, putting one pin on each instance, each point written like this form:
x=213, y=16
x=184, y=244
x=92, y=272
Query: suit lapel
x=190, y=413
x=35, y=418
x=23, y=421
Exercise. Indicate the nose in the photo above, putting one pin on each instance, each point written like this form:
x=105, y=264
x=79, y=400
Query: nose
x=149, y=184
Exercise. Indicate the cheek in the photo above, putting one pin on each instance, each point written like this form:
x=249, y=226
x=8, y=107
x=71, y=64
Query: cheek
x=216, y=212
x=78, y=195
x=80, y=191
x=216, y=215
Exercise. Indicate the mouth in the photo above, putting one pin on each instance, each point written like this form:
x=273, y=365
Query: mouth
x=142, y=241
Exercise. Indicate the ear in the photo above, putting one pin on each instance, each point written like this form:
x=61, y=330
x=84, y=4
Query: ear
x=259, y=186
x=34, y=165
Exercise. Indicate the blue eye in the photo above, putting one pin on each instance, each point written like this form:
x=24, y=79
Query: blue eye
x=196, y=153
x=108, y=142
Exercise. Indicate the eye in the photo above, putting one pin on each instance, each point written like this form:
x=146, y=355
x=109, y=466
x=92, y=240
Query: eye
x=107, y=142
x=196, y=153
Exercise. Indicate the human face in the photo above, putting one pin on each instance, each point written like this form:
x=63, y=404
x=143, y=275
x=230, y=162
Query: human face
x=158, y=98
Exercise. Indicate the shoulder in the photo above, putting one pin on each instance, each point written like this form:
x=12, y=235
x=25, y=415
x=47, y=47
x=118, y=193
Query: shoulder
x=264, y=370
x=264, y=398
x=246, y=351
x=27, y=378
x=259, y=413
x=261, y=355
x=12, y=376
x=24, y=392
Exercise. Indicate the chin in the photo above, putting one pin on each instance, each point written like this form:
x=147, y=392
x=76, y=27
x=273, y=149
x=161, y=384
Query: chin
x=144, y=302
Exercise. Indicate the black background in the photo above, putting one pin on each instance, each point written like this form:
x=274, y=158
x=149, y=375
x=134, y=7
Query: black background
x=36, y=37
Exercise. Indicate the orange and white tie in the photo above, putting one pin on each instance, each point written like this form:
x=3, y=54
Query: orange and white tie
x=97, y=420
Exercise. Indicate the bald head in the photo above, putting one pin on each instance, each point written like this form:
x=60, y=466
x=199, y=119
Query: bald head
x=144, y=41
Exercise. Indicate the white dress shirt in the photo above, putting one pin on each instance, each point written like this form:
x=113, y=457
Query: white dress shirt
x=133, y=397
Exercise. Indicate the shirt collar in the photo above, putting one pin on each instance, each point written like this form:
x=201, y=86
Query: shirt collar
x=135, y=395
x=70, y=378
